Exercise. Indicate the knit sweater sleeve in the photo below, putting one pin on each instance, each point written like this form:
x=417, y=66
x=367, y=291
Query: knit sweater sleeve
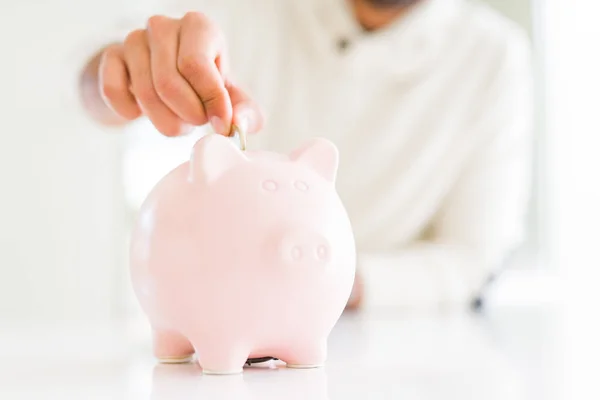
x=483, y=216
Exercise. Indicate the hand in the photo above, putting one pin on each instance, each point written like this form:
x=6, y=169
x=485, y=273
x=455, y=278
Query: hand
x=356, y=298
x=175, y=72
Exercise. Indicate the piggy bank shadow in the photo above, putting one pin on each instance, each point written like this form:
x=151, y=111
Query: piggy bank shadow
x=265, y=381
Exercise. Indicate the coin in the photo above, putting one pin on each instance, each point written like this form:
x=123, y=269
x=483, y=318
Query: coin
x=236, y=130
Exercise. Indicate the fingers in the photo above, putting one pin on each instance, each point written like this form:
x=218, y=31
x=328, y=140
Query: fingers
x=246, y=113
x=175, y=72
x=114, y=84
x=356, y=297
x=200, y=47
x=171, y=87
x=137, y=59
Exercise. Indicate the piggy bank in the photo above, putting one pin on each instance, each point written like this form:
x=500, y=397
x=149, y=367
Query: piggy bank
x=239, y=255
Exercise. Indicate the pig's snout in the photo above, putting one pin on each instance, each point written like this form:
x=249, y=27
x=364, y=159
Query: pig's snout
x=306, y=248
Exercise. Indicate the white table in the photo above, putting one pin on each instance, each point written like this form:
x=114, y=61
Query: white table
x=507, y=354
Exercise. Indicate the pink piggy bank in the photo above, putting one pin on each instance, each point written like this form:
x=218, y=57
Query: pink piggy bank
x=240, y=255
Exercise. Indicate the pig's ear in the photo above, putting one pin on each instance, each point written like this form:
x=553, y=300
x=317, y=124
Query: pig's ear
x=321, y=155
x=212, y=156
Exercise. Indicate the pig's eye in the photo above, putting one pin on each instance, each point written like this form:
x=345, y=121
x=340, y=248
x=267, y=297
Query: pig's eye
x=301, y=185
x=269, y=185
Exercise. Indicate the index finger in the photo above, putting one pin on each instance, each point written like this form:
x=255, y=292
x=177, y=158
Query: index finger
x=199, y=50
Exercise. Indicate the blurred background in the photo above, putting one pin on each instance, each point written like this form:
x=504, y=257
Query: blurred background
x=69, y=189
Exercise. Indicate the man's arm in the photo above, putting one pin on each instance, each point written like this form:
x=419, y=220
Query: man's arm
x=483, y=217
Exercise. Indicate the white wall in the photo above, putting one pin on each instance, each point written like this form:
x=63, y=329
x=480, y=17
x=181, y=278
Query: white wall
x=518, y=10
x=573, y=62
x=60, y=196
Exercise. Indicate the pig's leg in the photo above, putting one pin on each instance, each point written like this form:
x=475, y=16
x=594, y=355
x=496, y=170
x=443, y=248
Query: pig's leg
x=311, y=354
x=171, y=347
x=221, y=357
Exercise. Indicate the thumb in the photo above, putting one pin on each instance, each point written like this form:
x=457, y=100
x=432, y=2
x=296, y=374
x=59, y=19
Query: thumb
x=246, y=113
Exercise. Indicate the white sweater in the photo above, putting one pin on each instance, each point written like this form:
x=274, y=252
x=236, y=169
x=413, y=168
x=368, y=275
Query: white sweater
x=432, y=118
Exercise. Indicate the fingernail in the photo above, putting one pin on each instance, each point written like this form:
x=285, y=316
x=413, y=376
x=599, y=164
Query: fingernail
x=242, y=118
x=242, y=123
x=218, y=125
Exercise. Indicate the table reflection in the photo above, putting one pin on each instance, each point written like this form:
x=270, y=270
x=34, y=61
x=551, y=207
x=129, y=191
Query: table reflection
x=262, y=381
